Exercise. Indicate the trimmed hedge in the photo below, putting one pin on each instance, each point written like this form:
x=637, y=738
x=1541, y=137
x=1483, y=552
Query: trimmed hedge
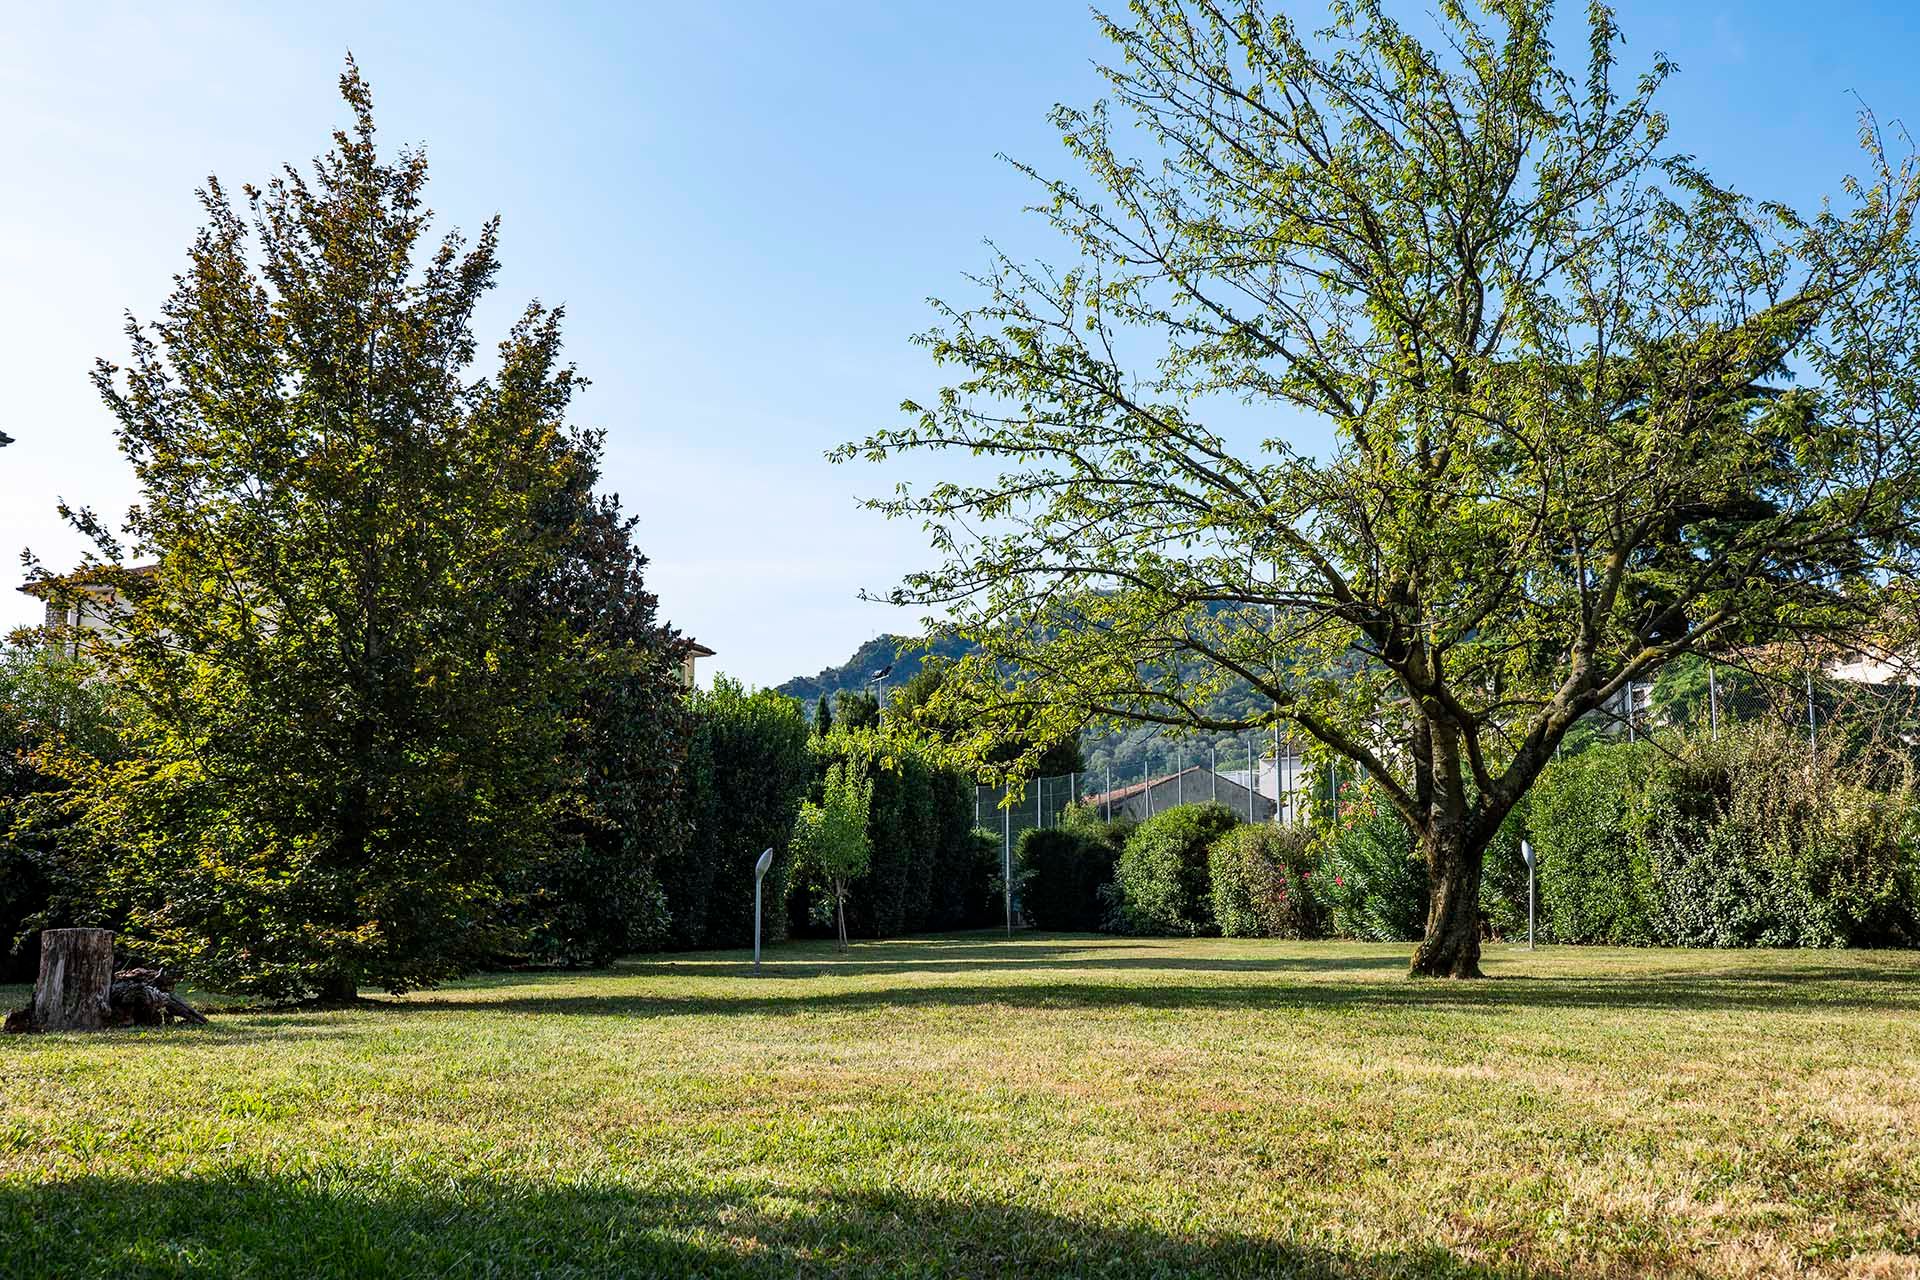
x=1062, y=873
x=929, y=869
x=746, y=775
x=1162, y=883
x=1263, y=883
x=1594, y=880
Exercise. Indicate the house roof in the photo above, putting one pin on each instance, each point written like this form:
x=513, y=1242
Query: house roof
x=1119, y=794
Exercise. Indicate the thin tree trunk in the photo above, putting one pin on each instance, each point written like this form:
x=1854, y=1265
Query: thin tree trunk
x=76, y=971
x=1451, y=948
x=840, y=909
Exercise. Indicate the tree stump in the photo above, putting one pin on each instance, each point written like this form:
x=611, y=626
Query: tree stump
x=76, y=971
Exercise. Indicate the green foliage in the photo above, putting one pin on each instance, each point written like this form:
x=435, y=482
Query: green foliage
x=1371, y=881
x=1747, y=840
x=962, y=893
x=914, y=711
x=352, y=697
x=1752, y=844
x=748, y=770
x=595, y=894
x=1347, y=225
x=1086, y=820
x=1161, y=881
x=830, y=838
x=48, y=707
x=1262, y=876
x=855, y=709
x=1061, y=874
x=1594, y=881
x=926, y=869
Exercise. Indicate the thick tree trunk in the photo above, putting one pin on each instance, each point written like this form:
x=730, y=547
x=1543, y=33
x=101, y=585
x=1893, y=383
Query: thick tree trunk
x=338, y=988
x=1451, y=948
x=76, y=971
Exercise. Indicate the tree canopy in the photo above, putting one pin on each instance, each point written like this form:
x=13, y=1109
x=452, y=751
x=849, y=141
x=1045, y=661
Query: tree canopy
x=378, y=583
x=1587, y=409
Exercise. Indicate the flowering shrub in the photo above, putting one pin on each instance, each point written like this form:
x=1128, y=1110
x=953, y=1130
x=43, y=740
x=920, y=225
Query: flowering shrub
x=1263, y=883
x=1371, y=884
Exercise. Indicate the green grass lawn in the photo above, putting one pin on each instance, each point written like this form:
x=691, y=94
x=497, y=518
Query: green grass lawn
x=975, y=1106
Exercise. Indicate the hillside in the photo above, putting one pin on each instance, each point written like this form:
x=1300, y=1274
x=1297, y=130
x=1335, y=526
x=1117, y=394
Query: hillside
x=854, y=673
x=1127, y=754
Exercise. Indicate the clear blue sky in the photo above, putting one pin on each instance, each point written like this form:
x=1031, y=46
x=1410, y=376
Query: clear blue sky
x=743, y=206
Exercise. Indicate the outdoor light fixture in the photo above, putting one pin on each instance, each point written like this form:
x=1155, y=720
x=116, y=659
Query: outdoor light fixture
x=1526, y=851
x=759, y=874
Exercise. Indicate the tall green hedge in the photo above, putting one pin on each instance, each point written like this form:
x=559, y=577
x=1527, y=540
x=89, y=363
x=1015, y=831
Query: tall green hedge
x=746, y=774
x=929, y=870
x=1162, y=883
x=1595, y=882
x=1062, y=873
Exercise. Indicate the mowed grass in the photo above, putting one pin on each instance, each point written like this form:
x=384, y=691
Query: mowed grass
x=978, y=1106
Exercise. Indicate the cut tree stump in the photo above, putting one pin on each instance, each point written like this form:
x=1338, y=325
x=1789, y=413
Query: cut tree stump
x=76, y=973
x=79, y=990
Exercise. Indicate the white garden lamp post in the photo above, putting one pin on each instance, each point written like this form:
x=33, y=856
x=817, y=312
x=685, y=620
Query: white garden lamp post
x=759, y=874
x=1526, y=851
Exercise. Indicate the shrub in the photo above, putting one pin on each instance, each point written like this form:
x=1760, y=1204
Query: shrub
x=1062, y=872
x=1086, y=820
x=1747, y=840
x=1262, y=883
x=48, y=705
x=1161, y=883
x=1371, y=884
x=1750, y=843
x=1594, y=882
x=961, y=895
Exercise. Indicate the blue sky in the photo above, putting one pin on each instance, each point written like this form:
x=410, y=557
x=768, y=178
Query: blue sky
x=744, y=207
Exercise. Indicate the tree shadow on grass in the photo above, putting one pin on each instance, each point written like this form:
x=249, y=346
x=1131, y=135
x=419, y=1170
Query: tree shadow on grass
x=1639, y=993
x=356, y=1222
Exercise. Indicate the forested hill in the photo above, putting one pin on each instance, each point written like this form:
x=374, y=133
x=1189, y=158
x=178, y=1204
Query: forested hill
x=1144, y=747
x=854, y=673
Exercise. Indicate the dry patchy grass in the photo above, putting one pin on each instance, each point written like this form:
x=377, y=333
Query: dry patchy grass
x=977, y=1106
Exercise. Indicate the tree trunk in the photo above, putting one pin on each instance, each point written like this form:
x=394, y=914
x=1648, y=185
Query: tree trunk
x=840, y=909
x=76, y=970
x=338, y=988
x=1451, y=948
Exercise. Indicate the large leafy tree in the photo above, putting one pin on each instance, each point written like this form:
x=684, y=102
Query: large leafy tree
x=351, y=684
x=1586, y=409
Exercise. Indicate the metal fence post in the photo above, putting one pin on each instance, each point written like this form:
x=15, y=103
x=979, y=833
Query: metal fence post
x=1006, y=859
